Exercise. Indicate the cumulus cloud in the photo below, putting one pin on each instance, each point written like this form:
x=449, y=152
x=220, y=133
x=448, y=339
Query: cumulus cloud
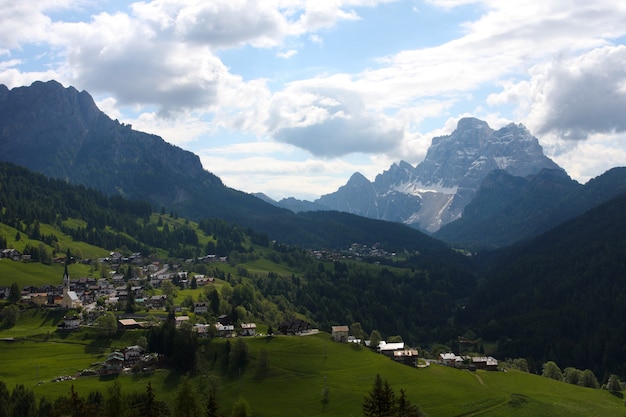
x=330, y=121
x=24, y=21
x=118, y=55
x=574, y=97
x=218, y=23
x=583, y=95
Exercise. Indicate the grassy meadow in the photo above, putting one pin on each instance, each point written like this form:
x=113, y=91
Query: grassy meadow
x=298, y=370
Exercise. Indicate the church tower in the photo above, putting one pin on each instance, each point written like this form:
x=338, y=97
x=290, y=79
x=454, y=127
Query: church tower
x=70, y=299
x=66, y=275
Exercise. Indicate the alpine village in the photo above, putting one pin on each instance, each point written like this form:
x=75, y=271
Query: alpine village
x=135, y=283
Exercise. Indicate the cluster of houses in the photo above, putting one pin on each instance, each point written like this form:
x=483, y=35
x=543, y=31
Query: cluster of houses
x=129, y=358
x=76, y=293
x=356, y=251
x=398, y=352
x=468, y=362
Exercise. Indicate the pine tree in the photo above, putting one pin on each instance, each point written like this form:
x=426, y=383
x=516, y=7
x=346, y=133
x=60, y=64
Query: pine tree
x=380, y=401
x=212, y=408
x=14, y=294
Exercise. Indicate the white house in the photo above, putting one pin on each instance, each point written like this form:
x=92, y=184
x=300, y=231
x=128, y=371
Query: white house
x=248, y=329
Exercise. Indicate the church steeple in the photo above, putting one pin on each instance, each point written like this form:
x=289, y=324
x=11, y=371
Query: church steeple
x=66, y=274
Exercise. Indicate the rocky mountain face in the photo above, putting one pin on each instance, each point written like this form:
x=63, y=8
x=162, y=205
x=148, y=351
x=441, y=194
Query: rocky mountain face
x=436, y=191
x=509, y=209
x=61, y=133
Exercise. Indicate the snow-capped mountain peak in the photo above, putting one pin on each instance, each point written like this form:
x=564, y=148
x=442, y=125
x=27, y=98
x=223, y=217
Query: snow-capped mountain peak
x=435, y=191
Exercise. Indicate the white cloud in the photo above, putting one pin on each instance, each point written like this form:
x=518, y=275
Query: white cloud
x=287, y=54
x=553, y=60
x=304, y=179
x=573, y=97
x=330, y=121
x=600, y=152
x=13, y=15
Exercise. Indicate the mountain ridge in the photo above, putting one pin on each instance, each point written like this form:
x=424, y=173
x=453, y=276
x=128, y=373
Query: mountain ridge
x=60, y=133
x=436, y=191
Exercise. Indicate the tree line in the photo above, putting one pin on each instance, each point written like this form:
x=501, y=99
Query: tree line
x=188, y=402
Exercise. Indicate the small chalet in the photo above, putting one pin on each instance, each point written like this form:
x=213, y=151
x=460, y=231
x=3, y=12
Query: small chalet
x=248, y=329
x=203, y=330
x=450, y=359
x=200, y=308
x=340, y=333
x=132, y=355
x=201, y=280
x=225, y=330
x=181, y=319
x=114, y=363
x=294, y=327
x=484, y=362
x=12, y=254
x=69, y=323
x=406, y=356
x=388, y=349
x=128, y=324
x=157, y=301
x=39, y=298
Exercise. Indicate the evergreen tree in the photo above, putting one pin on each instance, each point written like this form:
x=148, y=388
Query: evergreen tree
x=380, y=401
x=239, y=355
x=5, y=400
x=130, y=299
x=115, y=406
x=186, y=403
x=212, y=408
x=23, y=402
x=214, y=301
x=14, y=293
x=46, y=408
x=405, y=408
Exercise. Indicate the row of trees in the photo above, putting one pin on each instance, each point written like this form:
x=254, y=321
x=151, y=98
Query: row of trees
x=575, y=376
x=21, y=402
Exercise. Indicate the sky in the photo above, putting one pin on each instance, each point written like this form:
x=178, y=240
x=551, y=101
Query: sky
x=291, y=97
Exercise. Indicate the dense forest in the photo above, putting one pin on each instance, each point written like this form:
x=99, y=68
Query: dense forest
x=557, y=297
x=562, y=296
x=413, y=295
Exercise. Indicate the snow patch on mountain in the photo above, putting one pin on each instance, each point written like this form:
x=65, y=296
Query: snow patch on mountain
x=436, y=191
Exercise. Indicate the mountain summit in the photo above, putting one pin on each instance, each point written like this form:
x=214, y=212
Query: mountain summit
x=436, y=191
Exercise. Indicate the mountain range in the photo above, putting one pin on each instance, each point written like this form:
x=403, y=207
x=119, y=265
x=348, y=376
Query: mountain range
x=61, y=133
x=554, y=290
x=476, y=188
x=435, y=192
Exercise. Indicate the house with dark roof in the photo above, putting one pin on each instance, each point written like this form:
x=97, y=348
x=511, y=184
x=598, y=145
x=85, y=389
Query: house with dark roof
x=294, y=326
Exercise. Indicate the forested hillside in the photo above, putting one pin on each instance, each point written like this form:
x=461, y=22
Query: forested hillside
x=407, y=293
x=561, y=296
x=508, y=209
x=558, y=297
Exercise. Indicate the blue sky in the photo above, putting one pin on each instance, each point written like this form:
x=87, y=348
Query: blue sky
x=290, y=97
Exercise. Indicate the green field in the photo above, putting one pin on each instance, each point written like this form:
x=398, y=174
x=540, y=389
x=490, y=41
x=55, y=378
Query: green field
x=300, y=368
